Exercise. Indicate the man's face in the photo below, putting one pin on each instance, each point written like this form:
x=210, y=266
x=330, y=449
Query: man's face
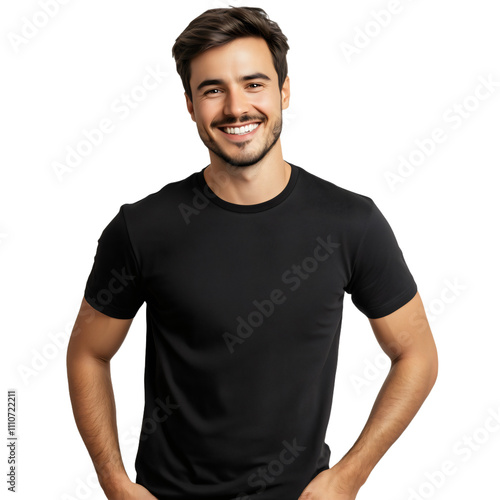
x=237, y=85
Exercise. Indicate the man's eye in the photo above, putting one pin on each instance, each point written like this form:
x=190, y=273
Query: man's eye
x=211, y=90
x=257, y=85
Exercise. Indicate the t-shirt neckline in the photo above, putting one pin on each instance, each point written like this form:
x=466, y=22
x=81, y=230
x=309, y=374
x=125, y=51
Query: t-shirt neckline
x=257, y=207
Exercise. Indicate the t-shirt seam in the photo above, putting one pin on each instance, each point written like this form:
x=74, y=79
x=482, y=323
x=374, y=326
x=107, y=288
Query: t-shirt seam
x=252, y=211
x=361, y=241
x=136, y=260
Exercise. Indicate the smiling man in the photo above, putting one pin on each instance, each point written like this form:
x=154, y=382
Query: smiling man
x=243, y=266
x=225, y=126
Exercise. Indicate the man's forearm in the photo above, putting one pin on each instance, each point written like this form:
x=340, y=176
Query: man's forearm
x=93, y=402
x=404, y=390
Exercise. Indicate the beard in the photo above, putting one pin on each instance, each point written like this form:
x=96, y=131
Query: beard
x=246, y=159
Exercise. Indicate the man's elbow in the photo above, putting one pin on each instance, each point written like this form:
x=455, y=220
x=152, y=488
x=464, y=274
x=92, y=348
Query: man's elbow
x=423, y=366
x=430, y=369
x=431, y=360
x=434, y=368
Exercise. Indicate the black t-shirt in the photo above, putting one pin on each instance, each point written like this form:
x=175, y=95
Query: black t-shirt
x=244, y=309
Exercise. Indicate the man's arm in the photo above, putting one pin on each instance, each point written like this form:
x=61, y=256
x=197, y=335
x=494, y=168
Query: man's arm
x=94, y=340
x=405, y=336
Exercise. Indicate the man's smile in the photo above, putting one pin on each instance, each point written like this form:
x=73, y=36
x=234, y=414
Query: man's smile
x=241, y=132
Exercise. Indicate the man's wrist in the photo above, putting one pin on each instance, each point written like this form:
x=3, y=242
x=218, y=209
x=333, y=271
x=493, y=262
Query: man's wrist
x=112, y=479
x=350, y=474
x=114, y=486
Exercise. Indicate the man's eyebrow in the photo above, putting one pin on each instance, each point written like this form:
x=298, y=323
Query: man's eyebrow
x=206, y=83
x=255, y=76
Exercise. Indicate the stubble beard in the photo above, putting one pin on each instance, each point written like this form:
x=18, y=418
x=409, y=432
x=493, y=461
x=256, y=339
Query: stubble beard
x=272, y=139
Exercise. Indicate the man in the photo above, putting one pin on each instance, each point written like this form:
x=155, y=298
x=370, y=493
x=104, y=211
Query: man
x=243, y=266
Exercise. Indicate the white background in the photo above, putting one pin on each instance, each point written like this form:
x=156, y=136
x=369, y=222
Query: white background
x=350, y=121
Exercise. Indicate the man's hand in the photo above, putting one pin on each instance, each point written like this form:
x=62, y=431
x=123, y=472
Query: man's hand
x=331, y=484
x=130, y=491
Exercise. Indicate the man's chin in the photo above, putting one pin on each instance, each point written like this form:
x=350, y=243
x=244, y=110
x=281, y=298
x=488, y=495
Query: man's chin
x=242, y=160
x=239, y=163
x=246, y=160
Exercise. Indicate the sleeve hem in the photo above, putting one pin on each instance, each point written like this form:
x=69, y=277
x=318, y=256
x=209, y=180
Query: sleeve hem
x=108, y=310
x=393, y=305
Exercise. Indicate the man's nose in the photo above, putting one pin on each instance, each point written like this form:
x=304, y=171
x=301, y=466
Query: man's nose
x=236, y=102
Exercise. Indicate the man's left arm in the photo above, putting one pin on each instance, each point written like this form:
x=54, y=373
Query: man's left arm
x=405, y=336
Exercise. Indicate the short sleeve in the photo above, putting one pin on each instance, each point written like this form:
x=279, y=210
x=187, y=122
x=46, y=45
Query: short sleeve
x=114, y=284
x=380, y=282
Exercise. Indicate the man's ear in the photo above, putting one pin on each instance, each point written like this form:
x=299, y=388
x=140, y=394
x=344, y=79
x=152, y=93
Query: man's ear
x=285, y=93
x=190, y=106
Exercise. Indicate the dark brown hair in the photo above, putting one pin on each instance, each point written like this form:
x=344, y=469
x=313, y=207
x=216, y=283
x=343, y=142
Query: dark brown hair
x=216, y=27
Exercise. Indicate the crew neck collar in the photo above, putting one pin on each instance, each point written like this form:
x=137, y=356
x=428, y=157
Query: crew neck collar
x=258, y=207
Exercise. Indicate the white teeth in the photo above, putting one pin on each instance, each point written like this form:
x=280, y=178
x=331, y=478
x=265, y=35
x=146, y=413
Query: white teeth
x=241, y=130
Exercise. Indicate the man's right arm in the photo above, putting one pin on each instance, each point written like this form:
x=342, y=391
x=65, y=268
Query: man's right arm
x=94, y=340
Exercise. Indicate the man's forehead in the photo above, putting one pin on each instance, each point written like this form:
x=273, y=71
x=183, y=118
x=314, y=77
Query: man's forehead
x=240, y=51
x=239, y=58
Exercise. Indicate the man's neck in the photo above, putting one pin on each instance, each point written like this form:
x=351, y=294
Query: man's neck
x=250, y=185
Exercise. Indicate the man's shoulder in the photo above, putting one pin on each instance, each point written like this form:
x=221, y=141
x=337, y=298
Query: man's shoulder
x=162, y=201
x=331, y=195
